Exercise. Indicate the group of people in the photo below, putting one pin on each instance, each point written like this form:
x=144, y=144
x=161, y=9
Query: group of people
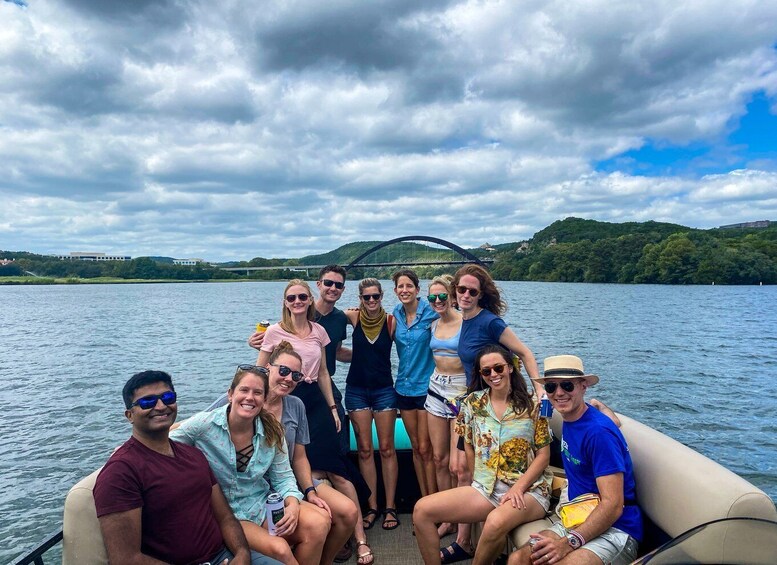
x=480, y=446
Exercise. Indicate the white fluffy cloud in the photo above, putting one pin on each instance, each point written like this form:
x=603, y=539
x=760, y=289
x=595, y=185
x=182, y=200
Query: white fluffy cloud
x=205, y=129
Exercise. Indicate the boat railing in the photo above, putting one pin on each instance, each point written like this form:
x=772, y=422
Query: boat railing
x=35, y=553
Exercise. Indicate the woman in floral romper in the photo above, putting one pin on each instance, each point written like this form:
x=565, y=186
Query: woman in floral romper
x=508, y=450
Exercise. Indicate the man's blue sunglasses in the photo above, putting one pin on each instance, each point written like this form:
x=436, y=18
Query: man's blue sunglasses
x=148, y=402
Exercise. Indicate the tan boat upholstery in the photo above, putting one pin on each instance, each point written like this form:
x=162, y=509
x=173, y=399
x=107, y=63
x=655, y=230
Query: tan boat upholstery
x=678, y=489
x=82, y=541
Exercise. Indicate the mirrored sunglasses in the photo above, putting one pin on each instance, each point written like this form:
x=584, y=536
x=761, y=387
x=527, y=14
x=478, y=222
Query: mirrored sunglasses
x=148, y=402
x=442, y=296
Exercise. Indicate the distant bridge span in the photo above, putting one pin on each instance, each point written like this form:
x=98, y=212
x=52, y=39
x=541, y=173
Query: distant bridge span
x=466, y=257
x=470, y=258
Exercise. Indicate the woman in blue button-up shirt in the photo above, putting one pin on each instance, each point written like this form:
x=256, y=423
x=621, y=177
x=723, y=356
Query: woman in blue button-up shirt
x=414, y=318
x=246, y=449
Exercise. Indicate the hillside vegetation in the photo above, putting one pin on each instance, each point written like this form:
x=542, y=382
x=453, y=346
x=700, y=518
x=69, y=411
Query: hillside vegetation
x=570, y=250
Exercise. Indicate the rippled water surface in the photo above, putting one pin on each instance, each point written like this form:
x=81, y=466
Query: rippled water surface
x=697, y=363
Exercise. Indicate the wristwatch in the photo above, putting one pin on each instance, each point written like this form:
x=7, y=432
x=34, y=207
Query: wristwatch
x=574, y=539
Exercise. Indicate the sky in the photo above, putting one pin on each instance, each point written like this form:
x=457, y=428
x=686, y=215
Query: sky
x=230, y=130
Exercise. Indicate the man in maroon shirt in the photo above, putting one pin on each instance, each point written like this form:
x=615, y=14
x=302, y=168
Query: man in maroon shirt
x=157, y=500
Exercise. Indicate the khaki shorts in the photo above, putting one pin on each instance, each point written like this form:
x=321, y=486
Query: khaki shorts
x=613, y=547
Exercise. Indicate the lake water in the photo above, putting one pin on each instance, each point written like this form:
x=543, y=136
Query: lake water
x=697, y=363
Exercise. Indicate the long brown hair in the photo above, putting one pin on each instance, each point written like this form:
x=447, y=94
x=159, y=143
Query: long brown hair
x=519, y=396
x=489, y=297
x=273, y=431
x=286, y=321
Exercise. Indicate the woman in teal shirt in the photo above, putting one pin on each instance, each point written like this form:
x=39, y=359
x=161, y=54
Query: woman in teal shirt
x=414, y=318
x=245, y=447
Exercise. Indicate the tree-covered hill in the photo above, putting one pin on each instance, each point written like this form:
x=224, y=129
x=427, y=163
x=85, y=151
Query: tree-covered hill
x=575, y=250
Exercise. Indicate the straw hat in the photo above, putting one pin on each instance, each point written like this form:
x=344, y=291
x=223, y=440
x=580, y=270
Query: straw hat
x=566, y=367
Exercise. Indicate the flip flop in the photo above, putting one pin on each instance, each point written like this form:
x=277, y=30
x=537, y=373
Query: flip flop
x=367, y=524
x=390, y=515
x=453, y=553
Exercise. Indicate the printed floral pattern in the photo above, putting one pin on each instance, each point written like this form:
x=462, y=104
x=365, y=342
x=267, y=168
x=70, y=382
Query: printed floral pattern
x=504, y=448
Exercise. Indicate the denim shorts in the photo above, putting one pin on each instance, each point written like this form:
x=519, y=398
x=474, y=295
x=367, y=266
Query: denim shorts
x=614, y=546
x=374, y=399
x=410, y=402
x=447, y=386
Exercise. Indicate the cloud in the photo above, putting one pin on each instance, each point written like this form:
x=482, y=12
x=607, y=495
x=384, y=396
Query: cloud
x=206, y=129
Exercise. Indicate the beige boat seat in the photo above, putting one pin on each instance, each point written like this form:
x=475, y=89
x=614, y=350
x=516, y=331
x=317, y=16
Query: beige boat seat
x=82, y=540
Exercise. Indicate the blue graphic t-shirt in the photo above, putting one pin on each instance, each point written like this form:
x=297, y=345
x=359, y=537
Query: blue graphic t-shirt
x=591, y=447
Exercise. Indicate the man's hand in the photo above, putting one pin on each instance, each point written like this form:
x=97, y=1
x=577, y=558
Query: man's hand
x=313, y=498
x=256, y=340
x=548, y=550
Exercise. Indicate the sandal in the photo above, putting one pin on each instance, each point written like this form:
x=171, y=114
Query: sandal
x=361, y=558
x=366, y=522
x=453, y=553
x=390, y=517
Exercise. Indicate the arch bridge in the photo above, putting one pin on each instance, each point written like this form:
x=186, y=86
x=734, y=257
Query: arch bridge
x=463, y=256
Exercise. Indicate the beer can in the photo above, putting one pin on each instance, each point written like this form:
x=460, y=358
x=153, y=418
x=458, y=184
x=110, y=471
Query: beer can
x=263, y=325
x=546, y=408
x=273, y=511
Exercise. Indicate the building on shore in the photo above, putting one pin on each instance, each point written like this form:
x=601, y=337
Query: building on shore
x=92, y=256
x=756, y=224
x=187, y=261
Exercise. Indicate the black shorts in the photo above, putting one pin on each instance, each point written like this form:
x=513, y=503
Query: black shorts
x=411, y=402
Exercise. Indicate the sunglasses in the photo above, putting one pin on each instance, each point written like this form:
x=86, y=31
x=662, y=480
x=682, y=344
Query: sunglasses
x=498, y=369
x=284, y=371
x=473, y=292
x=293, y=297
x=567, y=386
x=253, y=369
x=329, y=283
x=368, y=297
x=443, y=296
x=148, y=402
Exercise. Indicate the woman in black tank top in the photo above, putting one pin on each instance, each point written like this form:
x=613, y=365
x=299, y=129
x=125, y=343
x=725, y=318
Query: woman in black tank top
x=370, y=395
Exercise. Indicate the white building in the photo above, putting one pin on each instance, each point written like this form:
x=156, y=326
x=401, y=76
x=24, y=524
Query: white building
x=93, y=256
x=187, y=261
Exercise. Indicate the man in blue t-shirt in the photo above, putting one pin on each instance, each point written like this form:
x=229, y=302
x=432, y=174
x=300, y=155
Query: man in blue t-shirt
x=596, y=460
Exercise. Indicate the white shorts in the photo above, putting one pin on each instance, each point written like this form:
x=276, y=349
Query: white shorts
x=501, y=488
x=449, y=387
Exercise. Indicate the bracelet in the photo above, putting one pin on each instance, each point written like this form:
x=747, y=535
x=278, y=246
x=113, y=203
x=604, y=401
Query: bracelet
x=333, y=407
x=307, y=490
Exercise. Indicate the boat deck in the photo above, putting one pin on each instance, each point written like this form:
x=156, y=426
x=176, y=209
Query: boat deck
x=397, y=547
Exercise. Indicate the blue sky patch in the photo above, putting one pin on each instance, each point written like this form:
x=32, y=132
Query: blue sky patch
x=752, y=143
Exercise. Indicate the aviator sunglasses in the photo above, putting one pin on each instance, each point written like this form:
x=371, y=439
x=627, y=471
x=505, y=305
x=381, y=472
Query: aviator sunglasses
x=148, y=402
x=498, y=369
x=328, y=283
x=284, y=371
x=567, y=386
x=368, y=297
x=293, y=297
x=442, y=296
x=473, y=292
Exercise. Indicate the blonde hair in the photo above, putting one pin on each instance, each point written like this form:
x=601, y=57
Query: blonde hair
x=286, y=322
